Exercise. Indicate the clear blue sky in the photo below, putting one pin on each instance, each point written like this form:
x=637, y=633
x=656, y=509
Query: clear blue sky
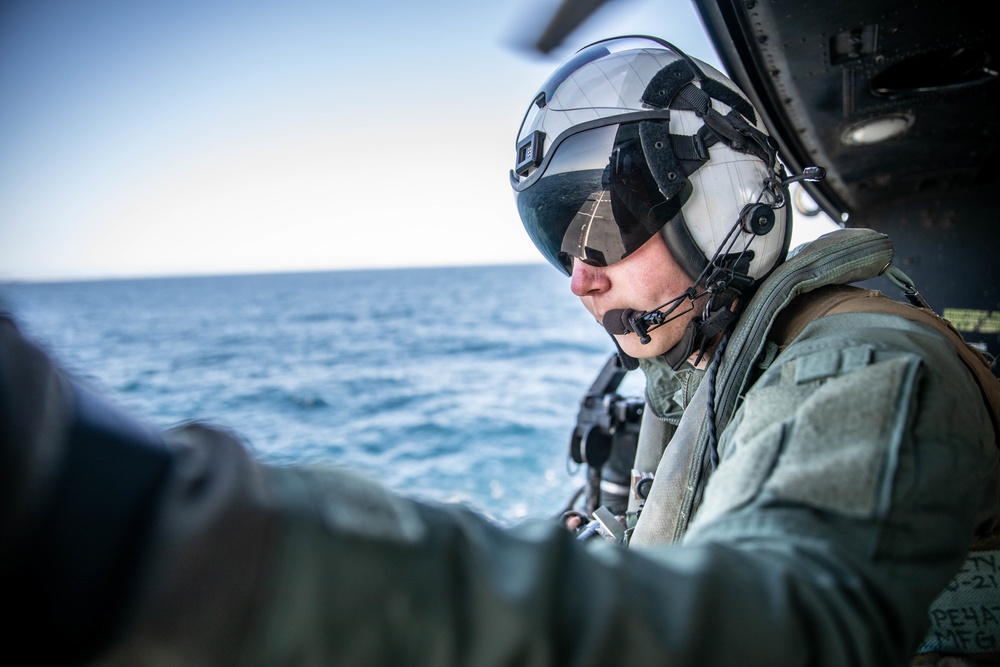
x=180, y=137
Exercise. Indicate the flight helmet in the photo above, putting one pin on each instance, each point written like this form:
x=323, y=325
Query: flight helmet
x=631, y=137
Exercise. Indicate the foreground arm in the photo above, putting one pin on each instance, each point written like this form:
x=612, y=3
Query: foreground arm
x=208, y=557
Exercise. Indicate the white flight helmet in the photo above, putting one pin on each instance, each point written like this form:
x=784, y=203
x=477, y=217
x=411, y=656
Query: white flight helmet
x=631, y=137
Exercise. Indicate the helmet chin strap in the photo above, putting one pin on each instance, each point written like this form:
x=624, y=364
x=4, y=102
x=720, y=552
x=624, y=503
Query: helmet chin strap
x=723, y=282
x=703, y=331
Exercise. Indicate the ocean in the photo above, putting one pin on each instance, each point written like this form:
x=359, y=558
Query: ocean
x=445, y=384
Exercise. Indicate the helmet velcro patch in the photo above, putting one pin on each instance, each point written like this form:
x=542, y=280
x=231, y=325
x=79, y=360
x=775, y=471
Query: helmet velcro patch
x=664, y=85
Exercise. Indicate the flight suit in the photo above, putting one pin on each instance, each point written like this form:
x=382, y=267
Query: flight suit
x=856, y=468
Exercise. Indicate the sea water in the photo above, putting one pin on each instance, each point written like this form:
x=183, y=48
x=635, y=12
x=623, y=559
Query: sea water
x=446, y=384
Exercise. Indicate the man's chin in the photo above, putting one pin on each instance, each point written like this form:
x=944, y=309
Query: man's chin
x=632, y=347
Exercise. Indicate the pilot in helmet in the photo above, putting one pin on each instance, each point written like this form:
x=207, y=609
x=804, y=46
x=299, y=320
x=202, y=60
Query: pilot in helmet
x=632, y=149
x=775, y=432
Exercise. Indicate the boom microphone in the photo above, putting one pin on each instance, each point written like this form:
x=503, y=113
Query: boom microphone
x=617, y=321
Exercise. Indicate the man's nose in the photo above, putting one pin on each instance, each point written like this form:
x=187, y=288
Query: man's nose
x=587, y=279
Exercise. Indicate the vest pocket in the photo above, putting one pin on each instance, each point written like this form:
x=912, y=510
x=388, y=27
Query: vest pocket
x=817, y=438
x=842, y=450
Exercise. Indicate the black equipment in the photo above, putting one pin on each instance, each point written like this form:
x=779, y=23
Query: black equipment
x=605, y=438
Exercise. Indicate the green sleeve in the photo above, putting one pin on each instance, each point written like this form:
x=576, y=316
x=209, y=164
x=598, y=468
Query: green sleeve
x=850, y=487
x=852, y=482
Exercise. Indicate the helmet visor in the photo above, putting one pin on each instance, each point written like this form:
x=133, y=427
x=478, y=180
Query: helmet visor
x=595, y=199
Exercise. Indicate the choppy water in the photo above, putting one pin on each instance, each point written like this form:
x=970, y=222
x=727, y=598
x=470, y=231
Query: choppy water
x=455, y=384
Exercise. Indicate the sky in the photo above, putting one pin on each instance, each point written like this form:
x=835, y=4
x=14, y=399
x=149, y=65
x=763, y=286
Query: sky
x=198, y=137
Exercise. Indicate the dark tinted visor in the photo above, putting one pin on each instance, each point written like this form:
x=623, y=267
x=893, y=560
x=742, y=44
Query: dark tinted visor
x=596, y=199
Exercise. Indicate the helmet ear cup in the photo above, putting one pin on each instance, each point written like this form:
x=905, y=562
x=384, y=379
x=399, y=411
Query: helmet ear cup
x=758, y=219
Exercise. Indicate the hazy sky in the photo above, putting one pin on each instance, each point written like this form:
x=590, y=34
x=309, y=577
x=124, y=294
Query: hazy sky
x=192, y=136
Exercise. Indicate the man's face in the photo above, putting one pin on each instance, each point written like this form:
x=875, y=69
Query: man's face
x=644, y=280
